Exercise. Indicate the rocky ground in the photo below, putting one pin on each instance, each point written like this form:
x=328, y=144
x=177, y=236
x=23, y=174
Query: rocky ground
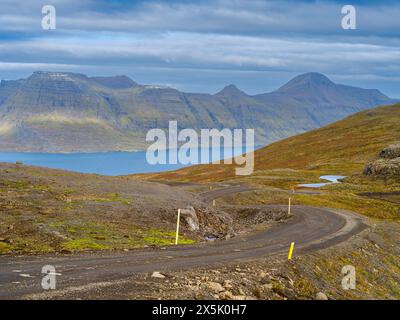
x=374, y=254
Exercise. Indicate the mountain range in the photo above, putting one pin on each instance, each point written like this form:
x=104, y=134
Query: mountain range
x=71, y=112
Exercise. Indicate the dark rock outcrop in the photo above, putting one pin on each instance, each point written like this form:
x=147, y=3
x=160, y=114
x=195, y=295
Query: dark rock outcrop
x=388, y=164
x=391, y=152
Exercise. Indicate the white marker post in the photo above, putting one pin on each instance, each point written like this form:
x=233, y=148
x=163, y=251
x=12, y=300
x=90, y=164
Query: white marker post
x=289, y=211
x=213, y=203
x=177, y=226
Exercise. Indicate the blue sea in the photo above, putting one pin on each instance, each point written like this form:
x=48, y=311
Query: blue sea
x=104, y=163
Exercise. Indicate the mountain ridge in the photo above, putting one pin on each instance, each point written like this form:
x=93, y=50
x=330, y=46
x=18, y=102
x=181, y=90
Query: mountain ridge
x=71, y=112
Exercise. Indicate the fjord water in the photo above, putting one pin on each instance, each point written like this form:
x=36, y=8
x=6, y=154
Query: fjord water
x=105, y=163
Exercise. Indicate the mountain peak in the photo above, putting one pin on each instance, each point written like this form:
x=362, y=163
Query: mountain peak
x=231, y=90
x=115, y=82
x=315, y=76
x=52, y=75
x=311, y=79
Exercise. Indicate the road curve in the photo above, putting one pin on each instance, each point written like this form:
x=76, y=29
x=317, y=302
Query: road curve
x=310, y=228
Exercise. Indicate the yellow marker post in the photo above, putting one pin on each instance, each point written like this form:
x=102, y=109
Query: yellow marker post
x=291, y=251
x=177, y=226
x=289, y=211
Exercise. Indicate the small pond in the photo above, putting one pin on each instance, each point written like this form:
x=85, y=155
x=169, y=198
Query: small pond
x=330, y=178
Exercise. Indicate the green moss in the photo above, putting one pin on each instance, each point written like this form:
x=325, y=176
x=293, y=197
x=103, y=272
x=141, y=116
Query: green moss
x=160, y=237
x=26, y=245
x=96, y=236
x=81, y=229
x=31, y=246
x=5, y=248
x=158, y=241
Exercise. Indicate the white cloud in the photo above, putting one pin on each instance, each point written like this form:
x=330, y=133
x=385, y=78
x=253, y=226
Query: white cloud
x=224, y=16
x=279, y=36
x=207, y=50
x=36, y=66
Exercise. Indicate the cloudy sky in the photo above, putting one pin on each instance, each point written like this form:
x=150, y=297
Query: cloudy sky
x=203, y=45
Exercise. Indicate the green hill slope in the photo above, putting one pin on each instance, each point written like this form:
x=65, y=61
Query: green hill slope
x=343, y=147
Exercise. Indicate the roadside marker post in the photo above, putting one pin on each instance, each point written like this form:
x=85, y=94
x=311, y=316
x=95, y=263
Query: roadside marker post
x=289, y=211
x=291, y=251
x=213, y=203
x=177, y=226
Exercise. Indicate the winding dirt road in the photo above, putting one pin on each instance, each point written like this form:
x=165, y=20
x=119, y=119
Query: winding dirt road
x=311, y=228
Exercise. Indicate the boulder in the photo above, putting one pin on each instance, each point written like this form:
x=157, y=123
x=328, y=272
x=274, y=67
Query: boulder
x=321, y=296
x=157, y=274
x=226, y=295
x=215, y=287
x=391, y=152
x=383, y=167
x=388, y=164
x=190, y=216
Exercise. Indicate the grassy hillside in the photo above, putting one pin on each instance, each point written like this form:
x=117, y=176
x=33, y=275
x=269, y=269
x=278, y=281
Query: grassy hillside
x=343, y=147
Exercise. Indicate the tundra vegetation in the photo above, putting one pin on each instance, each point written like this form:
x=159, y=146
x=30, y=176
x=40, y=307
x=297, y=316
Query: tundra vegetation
x=44, y=211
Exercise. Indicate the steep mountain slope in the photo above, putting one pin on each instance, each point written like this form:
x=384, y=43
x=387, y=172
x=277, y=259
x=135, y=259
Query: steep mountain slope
x=323, y=100
x=67, y=112
x=343, y=147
